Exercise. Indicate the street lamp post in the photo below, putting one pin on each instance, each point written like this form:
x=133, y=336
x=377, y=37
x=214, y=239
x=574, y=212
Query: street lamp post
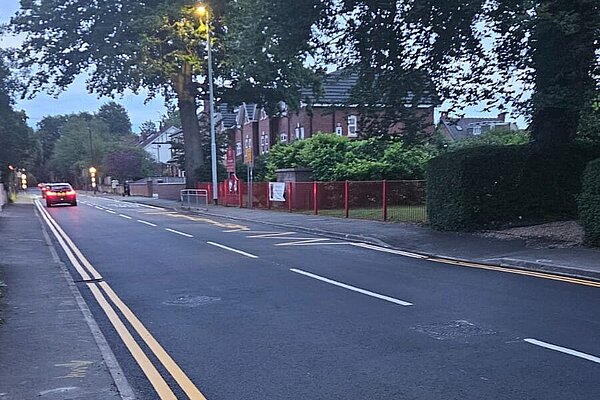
x=201, y=10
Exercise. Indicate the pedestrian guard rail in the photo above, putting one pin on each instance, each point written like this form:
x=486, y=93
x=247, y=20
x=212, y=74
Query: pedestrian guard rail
x=376, y=200
x=194, y=198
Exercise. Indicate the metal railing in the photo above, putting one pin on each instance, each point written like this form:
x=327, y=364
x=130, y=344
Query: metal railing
x=402, y=201
x=194, y=198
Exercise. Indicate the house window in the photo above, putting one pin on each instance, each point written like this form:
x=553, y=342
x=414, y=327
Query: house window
x=339, y=130
x=264, y=142
x=299, y=131
x=238, y=149
x=283, y=137
x=477, y=130
x=352, y=126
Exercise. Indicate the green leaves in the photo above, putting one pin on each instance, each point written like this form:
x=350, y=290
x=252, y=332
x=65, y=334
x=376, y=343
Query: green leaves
x=336, y=158
x=18, y=146
x=115, y=117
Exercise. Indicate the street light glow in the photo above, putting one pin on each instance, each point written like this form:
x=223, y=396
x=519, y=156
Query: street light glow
x=201, y=10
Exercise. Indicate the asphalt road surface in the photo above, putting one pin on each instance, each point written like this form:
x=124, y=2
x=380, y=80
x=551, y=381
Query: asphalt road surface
x=199, y=307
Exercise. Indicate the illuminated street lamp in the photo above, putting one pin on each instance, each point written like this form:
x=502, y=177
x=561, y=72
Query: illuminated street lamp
x=203, y=12
x=92, y=171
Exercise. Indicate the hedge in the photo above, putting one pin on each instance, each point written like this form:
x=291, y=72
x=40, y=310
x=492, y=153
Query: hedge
x=490, y=186
x=589, y=203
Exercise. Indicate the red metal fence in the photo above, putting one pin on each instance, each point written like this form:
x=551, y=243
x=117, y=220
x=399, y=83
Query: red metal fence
x=380, y=200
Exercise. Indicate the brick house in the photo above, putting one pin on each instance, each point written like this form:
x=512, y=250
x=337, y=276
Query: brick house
x=465, y=127
x=327, y=113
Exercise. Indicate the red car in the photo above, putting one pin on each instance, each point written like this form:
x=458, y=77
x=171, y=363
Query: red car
x=58, y=193
x=43, y=188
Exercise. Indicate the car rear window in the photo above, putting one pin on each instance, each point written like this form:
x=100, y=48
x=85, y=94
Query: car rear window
x=60, y=188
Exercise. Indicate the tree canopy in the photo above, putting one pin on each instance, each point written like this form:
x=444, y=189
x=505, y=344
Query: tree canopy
x=18, y=146
x=541, y=56
x=116, y=118
x=161, y=46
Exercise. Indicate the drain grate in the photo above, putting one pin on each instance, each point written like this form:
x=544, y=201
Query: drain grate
x=192, y=301
x=452, y=330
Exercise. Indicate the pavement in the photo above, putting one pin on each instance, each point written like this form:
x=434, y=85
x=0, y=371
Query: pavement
x=53, y=349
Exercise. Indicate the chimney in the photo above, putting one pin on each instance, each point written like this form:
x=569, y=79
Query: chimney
x=502, y=116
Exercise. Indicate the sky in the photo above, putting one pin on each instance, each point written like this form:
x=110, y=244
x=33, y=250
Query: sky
x=76, y=98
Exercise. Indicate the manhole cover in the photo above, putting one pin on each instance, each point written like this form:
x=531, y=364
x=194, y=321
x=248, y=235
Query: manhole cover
x=192, y=301
x=452, y=330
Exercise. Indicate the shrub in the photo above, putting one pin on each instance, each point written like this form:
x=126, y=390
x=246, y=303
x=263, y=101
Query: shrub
x=479, y=187
x=589, y=203
x=494, y=137
x=336, y=158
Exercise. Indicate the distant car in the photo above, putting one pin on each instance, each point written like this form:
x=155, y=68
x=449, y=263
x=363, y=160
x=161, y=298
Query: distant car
x=43, y=188
x=59, y=193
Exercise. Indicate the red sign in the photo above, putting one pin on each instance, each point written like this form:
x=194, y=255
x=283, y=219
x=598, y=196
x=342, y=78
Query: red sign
x=230, y=160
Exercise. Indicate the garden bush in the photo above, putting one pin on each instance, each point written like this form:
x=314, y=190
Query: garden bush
x=489, y=186
x=589, y=203
x=337, y=158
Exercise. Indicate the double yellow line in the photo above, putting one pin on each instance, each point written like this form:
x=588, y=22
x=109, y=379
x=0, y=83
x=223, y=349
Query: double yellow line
x=543, y=275
x=101, y=290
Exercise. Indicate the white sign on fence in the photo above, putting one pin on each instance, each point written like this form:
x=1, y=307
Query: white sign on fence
x=276, y=191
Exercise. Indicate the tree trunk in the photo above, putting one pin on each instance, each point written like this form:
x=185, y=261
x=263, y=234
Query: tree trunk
x=186, y=99
x=563, y=57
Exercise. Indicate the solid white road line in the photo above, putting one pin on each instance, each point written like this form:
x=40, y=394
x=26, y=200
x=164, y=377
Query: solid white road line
x=271, y=235
x=353, y=288
x=564, y=350
x=111, y=211
x=178, y=232
x=386, y=250
x=231, y=249
x=125, y=216
x=147, y=206
x=146, y=222
x=301, y=242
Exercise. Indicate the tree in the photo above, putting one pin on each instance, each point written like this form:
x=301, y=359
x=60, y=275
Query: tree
x=267, y=46
x=589, y=123
x=130, y=44
x=18, y=146
x=127, y=163
x=147, y=129
x=48, y=132
x=116, y=118
x=497, y=51
x=82, y=144
x=171, y=118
